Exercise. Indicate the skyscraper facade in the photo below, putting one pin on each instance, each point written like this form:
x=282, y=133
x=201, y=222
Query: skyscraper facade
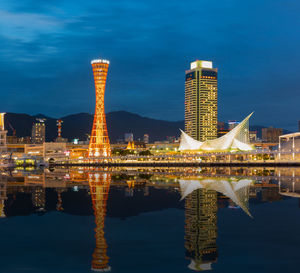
x=201, y=101
x=38, y=132
x=99, y=141
x=3, y=134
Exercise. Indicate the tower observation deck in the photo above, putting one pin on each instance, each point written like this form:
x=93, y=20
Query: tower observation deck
x=99, y=142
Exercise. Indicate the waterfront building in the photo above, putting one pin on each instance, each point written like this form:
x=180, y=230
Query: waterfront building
x=271, y=134
x=232, y=124
x=3, y=134
x=38, y=132
x=49, y=151
x=128, y=137
x=99, y=141
x=253, y=136
x=201, y=101
x=236, y=139
x=146, y=138
x=222, y=132
x=136, y=145
x=289, y=147
x=221, y=125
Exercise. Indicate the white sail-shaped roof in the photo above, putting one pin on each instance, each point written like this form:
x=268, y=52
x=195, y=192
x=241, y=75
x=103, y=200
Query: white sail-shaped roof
x=237, y=191
x=237, y=138
x=188, y=143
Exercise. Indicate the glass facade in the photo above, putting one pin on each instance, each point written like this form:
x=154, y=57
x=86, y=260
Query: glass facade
x=201, y=103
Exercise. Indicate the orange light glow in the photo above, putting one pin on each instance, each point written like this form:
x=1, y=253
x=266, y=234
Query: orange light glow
x=99, y=142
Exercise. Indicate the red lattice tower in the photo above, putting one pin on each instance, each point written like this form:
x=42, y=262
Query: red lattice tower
x=99, y=188
x=99, y=142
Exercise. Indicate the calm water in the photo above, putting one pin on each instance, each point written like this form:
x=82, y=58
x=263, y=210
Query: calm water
x=150, y=220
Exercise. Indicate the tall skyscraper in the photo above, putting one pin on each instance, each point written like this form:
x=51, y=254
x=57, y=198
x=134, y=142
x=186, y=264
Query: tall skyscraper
x=99, y=142
x=38, y=132
x=3, y=134
x=201, y=101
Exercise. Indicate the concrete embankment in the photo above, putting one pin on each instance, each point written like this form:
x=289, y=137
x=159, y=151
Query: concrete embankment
x=179, y=164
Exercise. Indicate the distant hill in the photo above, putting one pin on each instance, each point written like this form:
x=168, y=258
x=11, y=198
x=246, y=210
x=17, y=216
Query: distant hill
x=79, y=125
x=118, y=123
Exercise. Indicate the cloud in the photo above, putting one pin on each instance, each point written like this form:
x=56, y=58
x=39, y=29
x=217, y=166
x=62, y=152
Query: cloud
x=26, y=27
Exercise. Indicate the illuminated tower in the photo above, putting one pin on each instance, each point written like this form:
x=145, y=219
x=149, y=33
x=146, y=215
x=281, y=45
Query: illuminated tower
x=3, y=134
x=201, y=101
x=99, y=188
x=59, y=125
x=201, y=229
x=99, y=142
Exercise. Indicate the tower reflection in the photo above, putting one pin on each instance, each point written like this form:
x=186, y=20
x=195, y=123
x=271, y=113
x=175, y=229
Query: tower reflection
x=201, y=206
x=99, y=188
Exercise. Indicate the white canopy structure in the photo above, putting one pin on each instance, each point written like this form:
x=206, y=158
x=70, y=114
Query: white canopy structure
x=237, y=138
x=236, y=190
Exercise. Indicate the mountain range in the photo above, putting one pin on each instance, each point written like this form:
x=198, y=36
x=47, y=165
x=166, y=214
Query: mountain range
x=118, y=123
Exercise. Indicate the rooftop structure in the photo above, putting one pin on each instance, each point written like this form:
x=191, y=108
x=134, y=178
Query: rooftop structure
x=237, y=138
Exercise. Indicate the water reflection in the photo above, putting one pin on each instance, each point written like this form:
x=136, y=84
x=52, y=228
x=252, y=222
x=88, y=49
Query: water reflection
x=201, y=206
x=235, y=189
x=80, y=191
x=201, y=228
x=99, y=188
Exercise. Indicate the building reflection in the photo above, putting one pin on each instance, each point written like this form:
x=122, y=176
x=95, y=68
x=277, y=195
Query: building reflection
x=201, y=229
x=2, y=196
x=201, y=206
x=99, y=188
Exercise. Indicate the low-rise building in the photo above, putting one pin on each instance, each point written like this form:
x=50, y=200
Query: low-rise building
x=271, y=134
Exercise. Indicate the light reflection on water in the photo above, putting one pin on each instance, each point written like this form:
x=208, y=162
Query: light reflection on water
x=125, y=193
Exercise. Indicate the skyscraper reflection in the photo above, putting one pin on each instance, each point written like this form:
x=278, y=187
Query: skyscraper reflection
x=201, y=206
x=3, y=196
x=201, y=228
x=99, y=188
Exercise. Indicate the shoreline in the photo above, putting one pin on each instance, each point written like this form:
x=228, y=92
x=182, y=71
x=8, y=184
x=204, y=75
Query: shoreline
x=187, y=164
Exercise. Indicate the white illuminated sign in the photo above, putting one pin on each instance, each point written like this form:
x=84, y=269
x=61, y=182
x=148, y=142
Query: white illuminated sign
x=193, y=65
x=203, y=64
x=206, y=64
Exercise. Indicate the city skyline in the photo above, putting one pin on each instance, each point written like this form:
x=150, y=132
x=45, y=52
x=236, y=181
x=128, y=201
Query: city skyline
x=257, y=66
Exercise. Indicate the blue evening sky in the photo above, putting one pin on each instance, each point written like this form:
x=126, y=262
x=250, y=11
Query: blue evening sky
x=46, y=48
